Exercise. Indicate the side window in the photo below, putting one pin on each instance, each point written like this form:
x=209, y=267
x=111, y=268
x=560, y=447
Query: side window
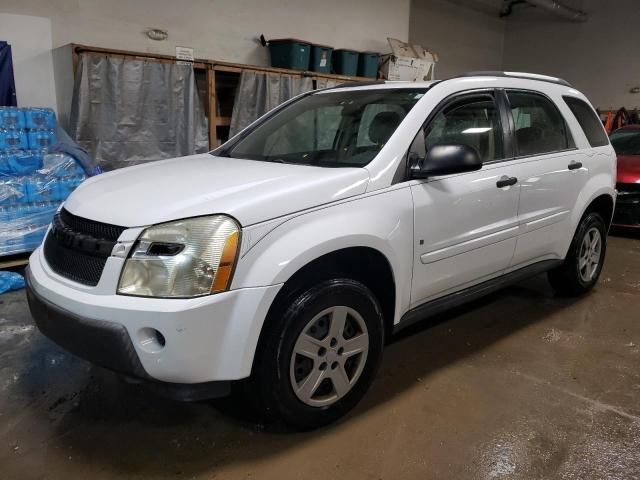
x=472, y=121
x=589, y=122
x=539, y=125
x=323, y=122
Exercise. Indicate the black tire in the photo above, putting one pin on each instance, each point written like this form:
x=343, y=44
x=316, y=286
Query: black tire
x=270, y=384
x=567, y=279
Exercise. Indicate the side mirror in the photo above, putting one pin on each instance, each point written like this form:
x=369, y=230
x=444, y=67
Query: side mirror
x=445, y=160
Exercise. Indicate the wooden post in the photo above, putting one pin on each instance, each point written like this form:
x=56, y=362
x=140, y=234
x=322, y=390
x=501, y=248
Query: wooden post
x=213, y=107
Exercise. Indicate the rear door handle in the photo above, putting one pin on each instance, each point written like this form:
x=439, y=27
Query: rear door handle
x=574, y=165
x=506, y=181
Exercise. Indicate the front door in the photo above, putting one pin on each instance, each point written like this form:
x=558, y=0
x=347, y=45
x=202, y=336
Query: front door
x=466, y=225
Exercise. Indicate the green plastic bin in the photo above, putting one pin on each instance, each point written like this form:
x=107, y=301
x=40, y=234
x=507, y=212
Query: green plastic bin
x=345, y=62
x=290, y=53
x=368, y=64
x=321, y=58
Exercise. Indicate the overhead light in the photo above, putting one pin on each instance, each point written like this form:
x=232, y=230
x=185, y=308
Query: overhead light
x=477, y=130
x=157, y=34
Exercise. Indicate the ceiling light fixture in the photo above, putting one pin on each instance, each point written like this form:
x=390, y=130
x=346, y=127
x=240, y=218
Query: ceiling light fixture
x=157, y=34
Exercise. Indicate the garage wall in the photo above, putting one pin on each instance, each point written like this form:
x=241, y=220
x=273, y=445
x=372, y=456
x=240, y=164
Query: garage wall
x=466, y=35
x=219, y=29
x=30, y=39
x=598, y=57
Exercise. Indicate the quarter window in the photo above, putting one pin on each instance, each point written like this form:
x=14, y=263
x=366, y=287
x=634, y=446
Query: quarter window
x=538, y=125
x=472, y=121
x=590, y=123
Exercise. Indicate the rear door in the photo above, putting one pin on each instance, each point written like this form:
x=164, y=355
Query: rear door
x=551, y=172
x=465, y=224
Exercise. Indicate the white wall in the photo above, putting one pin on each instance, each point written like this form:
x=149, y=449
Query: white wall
x=30, y=39
x=464, y=38
x=598, y=57
x=220, y=29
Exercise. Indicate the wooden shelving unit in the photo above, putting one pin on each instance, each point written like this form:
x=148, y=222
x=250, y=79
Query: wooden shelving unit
x=217, y=83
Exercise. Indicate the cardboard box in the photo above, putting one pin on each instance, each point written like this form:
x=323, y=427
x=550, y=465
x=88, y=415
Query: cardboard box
x=408, y=62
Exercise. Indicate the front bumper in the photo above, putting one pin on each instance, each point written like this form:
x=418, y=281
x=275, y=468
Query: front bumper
x=108, y=345
x=627, y=211
x=206, y=339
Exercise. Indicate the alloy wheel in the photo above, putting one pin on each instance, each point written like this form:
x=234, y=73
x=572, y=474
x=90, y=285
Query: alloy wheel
x=589, y=254
x=329, y=356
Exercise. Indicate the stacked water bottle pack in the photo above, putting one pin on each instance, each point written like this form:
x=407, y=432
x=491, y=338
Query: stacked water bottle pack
x=33, y=182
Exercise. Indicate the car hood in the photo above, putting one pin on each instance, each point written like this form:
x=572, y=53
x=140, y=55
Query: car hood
x=251, y=191
x=628, y=168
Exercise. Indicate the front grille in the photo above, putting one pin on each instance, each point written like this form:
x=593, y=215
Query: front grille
x=89, y=227
x=77, y=248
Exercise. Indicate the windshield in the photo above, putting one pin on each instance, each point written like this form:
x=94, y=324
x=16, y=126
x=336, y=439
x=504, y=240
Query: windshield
x=329, y=129
x=626, y=142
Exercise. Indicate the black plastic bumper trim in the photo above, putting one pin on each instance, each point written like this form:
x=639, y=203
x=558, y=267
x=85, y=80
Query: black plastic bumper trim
x=108, y=345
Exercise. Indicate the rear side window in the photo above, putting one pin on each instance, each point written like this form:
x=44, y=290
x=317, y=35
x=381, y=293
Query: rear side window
x=539, y=126
x=588, y=120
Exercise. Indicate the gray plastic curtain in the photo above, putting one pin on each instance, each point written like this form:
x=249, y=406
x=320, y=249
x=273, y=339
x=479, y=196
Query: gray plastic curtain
x=258, y=93
x=125, y=112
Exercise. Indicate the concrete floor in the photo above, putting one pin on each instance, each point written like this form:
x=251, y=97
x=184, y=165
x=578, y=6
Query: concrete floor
x=518, y=385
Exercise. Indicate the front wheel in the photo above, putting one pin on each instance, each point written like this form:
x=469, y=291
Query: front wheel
x=585, y=259
x=319, y=355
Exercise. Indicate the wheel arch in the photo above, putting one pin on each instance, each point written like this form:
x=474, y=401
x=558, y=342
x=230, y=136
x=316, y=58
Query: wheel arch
x=364, y=264
x=603, y=204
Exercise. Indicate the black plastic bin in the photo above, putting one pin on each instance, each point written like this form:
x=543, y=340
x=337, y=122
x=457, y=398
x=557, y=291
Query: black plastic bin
x=290, y=53
x=368, y=64
x=321, y=58
x=345, y=62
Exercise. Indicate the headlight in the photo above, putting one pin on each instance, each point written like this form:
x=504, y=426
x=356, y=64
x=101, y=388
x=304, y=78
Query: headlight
x=186, y=258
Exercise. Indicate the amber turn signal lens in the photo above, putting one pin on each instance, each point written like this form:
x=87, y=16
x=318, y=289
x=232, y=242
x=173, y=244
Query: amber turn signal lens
x=223, y=274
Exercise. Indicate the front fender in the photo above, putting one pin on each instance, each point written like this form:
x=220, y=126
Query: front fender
x=382, y=221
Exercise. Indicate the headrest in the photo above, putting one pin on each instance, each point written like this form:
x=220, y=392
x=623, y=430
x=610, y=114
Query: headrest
x=383, y=126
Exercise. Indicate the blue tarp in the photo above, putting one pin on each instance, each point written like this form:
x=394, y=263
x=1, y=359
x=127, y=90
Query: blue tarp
x=7, y=82
x=10, y=281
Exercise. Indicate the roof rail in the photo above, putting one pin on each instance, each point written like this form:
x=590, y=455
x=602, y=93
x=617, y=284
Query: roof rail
x=528, y=76
x=363, y=83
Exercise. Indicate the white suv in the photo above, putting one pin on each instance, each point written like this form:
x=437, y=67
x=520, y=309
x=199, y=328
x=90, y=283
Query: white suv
x=289, y=255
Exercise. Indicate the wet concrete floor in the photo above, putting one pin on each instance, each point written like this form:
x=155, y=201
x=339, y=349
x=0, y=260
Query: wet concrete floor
x=518, y=385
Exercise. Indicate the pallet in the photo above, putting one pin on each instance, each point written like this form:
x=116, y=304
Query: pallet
x=14, y=261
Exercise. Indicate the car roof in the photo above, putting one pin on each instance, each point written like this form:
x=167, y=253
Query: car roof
x=517, y=77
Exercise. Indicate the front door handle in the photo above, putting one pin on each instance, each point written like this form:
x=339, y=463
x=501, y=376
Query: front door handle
x=506, y=181
x=574, y=165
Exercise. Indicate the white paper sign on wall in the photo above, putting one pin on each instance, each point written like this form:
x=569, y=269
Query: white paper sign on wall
x=184, y=55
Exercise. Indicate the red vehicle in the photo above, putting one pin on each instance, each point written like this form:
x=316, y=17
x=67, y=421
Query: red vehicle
x=626, y=142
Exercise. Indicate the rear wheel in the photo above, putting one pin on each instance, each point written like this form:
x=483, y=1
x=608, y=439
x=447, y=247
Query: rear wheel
x=319, y=355
x=585, y=259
